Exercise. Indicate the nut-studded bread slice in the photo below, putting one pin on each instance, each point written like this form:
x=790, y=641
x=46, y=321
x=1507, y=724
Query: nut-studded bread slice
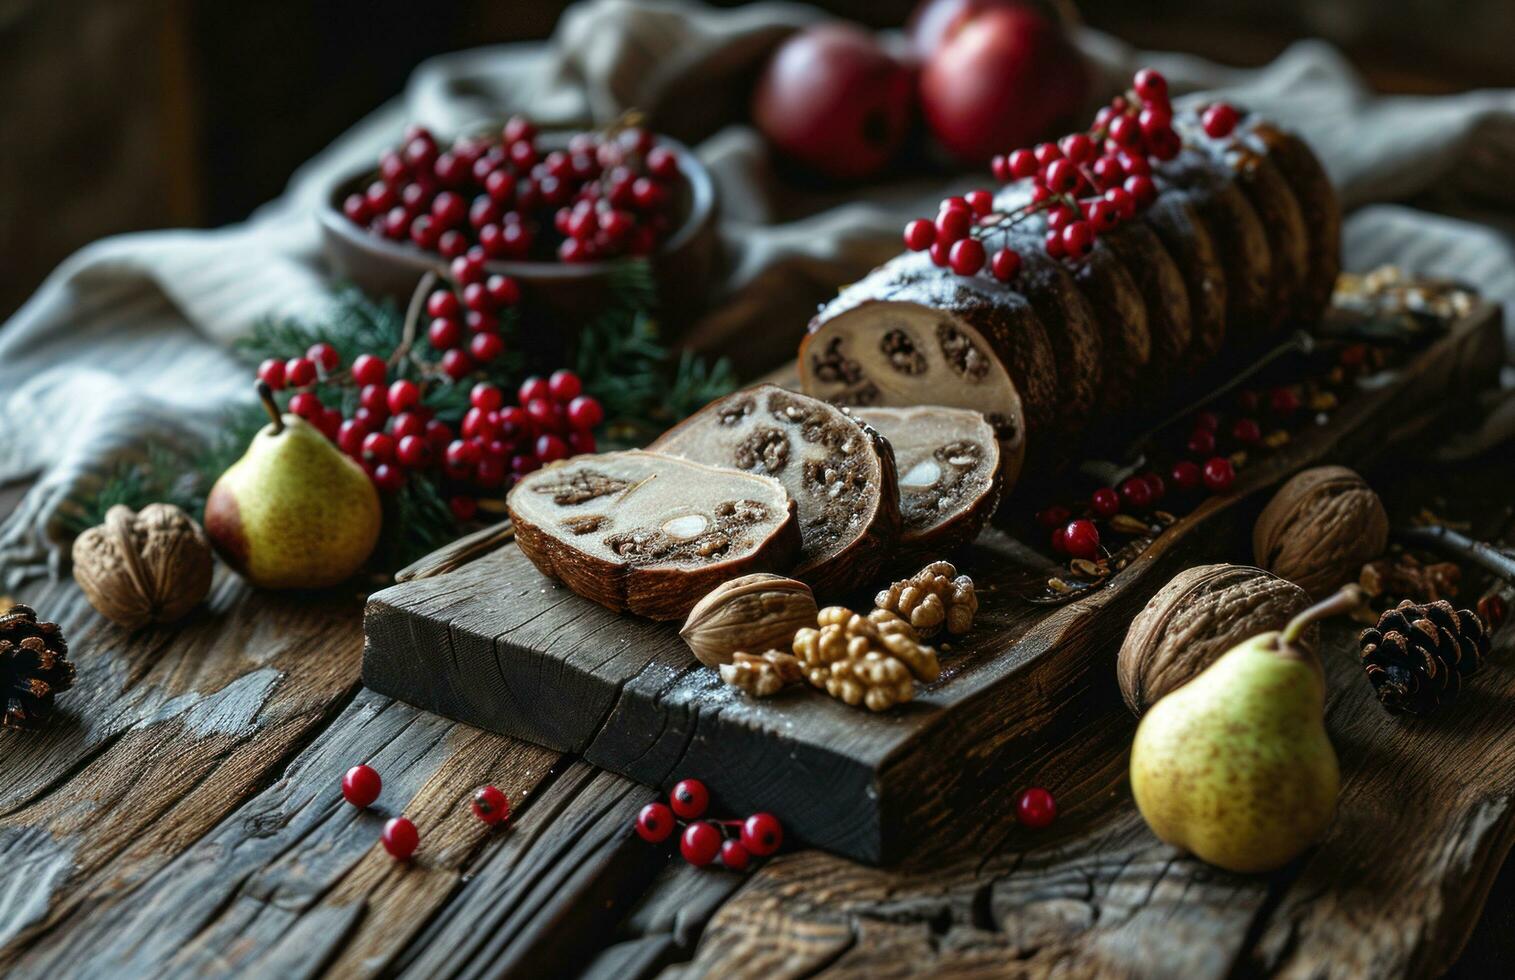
x=949, y=473
x=650, y=533
x=839, y=470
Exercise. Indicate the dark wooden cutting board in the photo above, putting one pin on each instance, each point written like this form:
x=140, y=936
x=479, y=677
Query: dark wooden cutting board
x=495, y=644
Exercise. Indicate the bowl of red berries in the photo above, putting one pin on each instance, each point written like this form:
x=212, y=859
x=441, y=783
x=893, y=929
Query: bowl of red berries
x=555, y=212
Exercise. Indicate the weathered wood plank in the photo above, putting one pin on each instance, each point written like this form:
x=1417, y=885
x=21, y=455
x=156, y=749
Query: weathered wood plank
x=493, y=643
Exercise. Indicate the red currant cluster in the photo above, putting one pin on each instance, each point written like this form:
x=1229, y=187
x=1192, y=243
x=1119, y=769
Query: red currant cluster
x=606, y=194
x=736, y=842
x=473, y=302
x=1087, y=184
x=1211, y=451
x=361, y=786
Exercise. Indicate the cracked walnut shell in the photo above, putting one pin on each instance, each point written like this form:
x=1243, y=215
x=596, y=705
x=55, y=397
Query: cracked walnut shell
x=873, y=660
x=1320, y=528
x=140, y=568
x=933, y=596
x=1194, y=619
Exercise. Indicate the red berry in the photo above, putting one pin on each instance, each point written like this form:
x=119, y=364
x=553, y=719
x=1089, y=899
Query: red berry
x=1123, y=202
x=1107, y=172
x=462, y=453
x=1077, y=148
x=550, y=448
x=1156, y=485
x=1219, y=474
x=485, y=347
x=402, y=395
x=490, y=805
x=481, y=322
x=1078, y=239
x=584, y=413
x=368, y=369
x=999, y=166
x=1208, y=421
x=456, y=364
x=413, y=451
x=1081, y=538
x=1164, y=144
x=564, y=386
x=981, y=201
x=1060, y=540
x=1141, y=188
x=504, y=290
x=1036, y=808
x=463, y=508
x=700, y=843
x=306, y=405
x=1136, y=493
x=1155, y=120
x=952, y=225
x=1060, y=176
x=1150, y=85
x=966, y=256
x=271, y=373
x=1054, y=516
x=443, y=302
x=444, y=334
x=662, y=162
x=648, y=194
x=355, y=207
x=466, y=269
x=1103, y=215
x=689, y=798
x=486, y=396
x=919, y=235
x=1201, y=442
x=361, y=785
x=1219, y=120
x=734, y=856
x=1022, y=163
x=1186, y=474
x=400, y=838
x=350, y=436
x=1125, y=130
x=1283, y=401
x=1045, y=153
x=524, y=463
x=519, y=128
x=1105, y=502
x=424, y=232
x=324, y=356
x=655, y=823
x=762, y=834
x=378, y=447
x=490, y=472
x=580, y=441
x=1005, y=264
x=299, y=371
x=1053, y=243
x=1246, y=431
x=544, y=414
x=407, y=424
x=533, y=388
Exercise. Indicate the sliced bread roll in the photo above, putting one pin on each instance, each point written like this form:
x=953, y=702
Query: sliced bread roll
x=648, y=533
x=949, y=473
x=839, y=470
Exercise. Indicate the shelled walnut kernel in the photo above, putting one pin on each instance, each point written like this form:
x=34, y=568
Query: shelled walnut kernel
x=933, y=596
x=872, y=660
x=762, y=675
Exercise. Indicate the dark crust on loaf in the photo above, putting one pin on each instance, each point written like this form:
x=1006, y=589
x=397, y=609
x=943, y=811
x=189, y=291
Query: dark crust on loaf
x=1001, y=314
x=1193, y=251
x=1164, y=294
x=1276, y=208
x=1319, y=205
x=1239, y=240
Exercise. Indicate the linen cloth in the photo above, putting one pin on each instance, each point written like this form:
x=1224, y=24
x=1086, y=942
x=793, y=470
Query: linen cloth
x=127, y=342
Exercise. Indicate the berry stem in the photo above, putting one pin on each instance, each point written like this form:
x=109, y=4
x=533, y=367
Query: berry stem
x=266, y=395
x=1348, y=598
x=413, y=317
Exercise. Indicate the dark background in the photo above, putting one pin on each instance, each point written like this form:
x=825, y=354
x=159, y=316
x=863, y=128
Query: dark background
x=130, y=114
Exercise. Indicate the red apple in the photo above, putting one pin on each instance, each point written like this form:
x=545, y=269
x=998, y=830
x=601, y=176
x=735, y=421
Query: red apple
x=930, y=20
x=1001, y=78
x=834, y=100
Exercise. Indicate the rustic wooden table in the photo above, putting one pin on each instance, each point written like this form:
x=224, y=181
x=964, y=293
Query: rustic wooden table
x=182, y=816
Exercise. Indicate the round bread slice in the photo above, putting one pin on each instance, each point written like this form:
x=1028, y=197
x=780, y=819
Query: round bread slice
x=949, y=473
x=839, y=470
x=649, y=533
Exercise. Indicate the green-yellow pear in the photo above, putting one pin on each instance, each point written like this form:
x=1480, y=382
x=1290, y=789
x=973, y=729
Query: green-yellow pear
x=294, y=512
x=1235, y=766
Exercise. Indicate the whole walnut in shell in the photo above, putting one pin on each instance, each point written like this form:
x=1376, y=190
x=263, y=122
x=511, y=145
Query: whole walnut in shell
x=140, y=568
x=1320, y=528
x=1194, y=619
x=761, y=611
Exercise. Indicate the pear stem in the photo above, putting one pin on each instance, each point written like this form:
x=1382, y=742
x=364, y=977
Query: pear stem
x=267, y=395
x=1344, y=601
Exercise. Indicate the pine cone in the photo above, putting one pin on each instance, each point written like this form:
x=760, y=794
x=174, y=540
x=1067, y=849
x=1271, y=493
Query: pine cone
x=34, y=666
x=1418, y=655
x=761, y=676
x=932, y=596
x=869, y=660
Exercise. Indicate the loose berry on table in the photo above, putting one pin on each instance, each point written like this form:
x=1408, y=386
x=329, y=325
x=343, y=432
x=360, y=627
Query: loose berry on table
x=689, y=798
x=1219, y=474
x=700, y=843
x=490, y=805
x=361, y=785
x=762, y=834
x=400, y=838
x=1036, y=808
x=1081, y=538
x=1105, y=502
